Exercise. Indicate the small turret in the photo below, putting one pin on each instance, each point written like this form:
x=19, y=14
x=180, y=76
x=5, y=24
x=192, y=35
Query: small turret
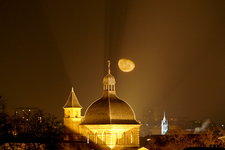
x=72, y=108
x=109, y=82
x=72, y=116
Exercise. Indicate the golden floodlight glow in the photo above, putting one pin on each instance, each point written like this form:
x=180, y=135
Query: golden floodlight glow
x=126, y=65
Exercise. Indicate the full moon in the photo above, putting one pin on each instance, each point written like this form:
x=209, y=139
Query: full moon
x=126, y=65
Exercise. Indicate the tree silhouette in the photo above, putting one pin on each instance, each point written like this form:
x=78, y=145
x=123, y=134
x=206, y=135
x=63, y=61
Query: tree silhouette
x=179, y=139
x=33, y=131
x=5, y=125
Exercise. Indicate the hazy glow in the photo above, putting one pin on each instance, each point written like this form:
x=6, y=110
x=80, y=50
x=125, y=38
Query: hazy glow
x=126, y=65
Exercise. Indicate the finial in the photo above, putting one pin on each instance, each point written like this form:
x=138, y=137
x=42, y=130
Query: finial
x=72, y=89
x=109, y=67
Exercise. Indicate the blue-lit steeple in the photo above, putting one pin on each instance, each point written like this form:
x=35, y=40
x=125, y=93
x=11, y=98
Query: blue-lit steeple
x=164, y=125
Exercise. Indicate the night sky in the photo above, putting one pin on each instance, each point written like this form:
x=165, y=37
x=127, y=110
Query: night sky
x=48, y=46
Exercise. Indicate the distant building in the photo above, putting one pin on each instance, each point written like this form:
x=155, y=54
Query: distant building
x=108, y=122
x=164, y=125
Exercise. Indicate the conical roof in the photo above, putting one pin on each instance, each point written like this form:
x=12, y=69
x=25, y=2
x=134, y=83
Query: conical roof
x=72, y=100
x=164, y=117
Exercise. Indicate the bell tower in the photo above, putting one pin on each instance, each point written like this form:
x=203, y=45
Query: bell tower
x=72, y=117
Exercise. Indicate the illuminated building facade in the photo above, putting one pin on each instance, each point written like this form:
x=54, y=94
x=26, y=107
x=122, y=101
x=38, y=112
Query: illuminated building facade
x=108, y=122
x=164, y=125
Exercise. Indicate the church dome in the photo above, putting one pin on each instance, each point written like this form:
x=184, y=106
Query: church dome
x=109, y=109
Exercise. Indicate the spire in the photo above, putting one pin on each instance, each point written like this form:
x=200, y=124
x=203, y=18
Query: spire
x=72, y=100
x=164, y=125
x=109, y=71
x=72, y=90
x=109, y=80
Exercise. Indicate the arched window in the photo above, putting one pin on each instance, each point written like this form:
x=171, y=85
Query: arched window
x=103, y=137
x=132, y=137
x=120, y=138
x=88, y=139
x=67, y=113
x=124, y=138
x=76, y=115
x=96, y=137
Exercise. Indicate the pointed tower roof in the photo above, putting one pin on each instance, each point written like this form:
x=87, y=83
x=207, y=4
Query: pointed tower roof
x=164, y=117
x=72, y=100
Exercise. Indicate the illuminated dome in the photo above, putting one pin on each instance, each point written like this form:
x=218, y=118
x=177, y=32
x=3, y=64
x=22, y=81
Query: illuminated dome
x=109, y=109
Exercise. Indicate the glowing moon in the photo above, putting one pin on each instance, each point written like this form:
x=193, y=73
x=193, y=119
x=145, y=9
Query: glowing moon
x=126, y=65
